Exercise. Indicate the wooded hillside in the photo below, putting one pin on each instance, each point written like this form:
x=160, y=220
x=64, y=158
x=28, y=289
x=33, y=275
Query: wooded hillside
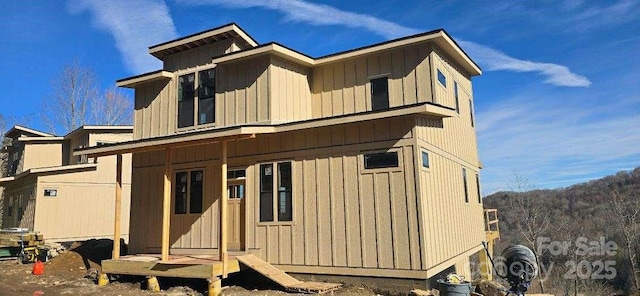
x=572, y=228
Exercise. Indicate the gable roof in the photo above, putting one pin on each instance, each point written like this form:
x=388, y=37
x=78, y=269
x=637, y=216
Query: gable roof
x=231, y=30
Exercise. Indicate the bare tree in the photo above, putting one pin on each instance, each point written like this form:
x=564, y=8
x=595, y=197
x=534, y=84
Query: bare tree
x=533, y=218
x=67, y=107
x=112, y=108
x=626, y=209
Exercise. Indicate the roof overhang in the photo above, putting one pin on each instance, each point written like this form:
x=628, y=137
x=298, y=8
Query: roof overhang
x=132, y=82
x=267, y=49
x=439, y=37
x=17, y=128
x=40, y=139
x=101, y=128
x=50, y=170
x=203, y=38
x=205, y=136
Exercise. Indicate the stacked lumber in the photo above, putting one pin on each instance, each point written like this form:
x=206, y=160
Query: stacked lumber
x=9, y=239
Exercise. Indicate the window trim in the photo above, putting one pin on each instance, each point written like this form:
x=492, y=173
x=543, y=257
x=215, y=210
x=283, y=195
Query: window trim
x=44, y=192
x=422, y=152
x=196, y=97
x=364, y=170
x=441, y=73
x=188, y=201
x=274, y=192
x=371, y=79
x=465, y=183
x=478, y=188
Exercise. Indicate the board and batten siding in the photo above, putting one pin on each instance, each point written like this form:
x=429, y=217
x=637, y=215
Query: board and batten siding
x=343, y=215
x=451, y=226
x=343, y=87
x=198, y=56
x=39, y=155
x=290, y=91
x=445, y=95
x=21, y=194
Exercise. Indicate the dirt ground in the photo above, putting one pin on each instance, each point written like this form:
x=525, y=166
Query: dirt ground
x=74, y=272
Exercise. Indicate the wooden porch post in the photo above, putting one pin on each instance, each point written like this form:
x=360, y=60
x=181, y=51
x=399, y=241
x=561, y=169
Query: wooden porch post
x=118, y=208
x=223, y=209
x=166, y=205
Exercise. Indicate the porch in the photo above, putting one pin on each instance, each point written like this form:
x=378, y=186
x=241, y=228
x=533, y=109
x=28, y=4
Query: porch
x=176, y=266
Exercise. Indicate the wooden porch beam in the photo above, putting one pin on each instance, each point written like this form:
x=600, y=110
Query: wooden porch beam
x=118, y=208
x=223, y=209
x=166, y=205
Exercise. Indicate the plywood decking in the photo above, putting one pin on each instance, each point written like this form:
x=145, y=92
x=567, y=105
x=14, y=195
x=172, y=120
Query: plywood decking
x=193, y=266
x=281, y=278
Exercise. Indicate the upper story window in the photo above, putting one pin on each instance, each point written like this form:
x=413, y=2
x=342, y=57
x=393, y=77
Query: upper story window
x=425, y=159
x=442, y=79
x=464, y=183
x=478, y=188
x=206, y=96
x=455, y=93
x=195, y=108
x=379, y=93
x=471, y=113
x=186, y=93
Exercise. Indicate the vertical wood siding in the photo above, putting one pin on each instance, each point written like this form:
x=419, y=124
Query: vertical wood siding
x=343, y=216
x=289, y=91
x=343, y=87
x=198, y=56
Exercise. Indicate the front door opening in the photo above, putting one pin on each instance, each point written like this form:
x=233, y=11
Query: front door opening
x=236, y=211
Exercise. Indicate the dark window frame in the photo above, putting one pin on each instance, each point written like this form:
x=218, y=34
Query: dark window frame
x=50, y=192
x=442, y=78
x=465, y=183
x=381, y=160
x=473, y=124
x=276, y=192
x=379, y=94
x=199, y=99
x=193, y=200
x=456, y=93
x=478, y=188
x=424, y=154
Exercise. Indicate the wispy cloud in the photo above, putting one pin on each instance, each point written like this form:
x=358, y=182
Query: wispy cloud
x=494, y=60
x=134, y=24
x=319, y=14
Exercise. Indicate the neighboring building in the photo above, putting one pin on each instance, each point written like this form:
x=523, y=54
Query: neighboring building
x=65, y=197
x=359, y=163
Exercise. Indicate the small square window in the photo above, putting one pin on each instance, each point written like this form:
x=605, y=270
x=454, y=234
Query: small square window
x=425, y=159
x=381, y=160
x=442, y=78
x=51, y=192
x=379, y=94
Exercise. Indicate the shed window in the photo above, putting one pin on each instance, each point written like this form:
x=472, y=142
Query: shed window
x=381, y=160
x=442, y=78
x=464, y=183
x=206, y=96
x=186, y=94
x=51, y=192
x=455, y=92
x=425, y=159
x=379, y=94
x=282, y=198
x=188, y=191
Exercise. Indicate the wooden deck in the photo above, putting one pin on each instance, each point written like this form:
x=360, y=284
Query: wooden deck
x=179, y=266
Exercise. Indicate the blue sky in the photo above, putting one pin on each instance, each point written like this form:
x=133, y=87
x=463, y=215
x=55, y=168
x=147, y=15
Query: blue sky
x=559, y=100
